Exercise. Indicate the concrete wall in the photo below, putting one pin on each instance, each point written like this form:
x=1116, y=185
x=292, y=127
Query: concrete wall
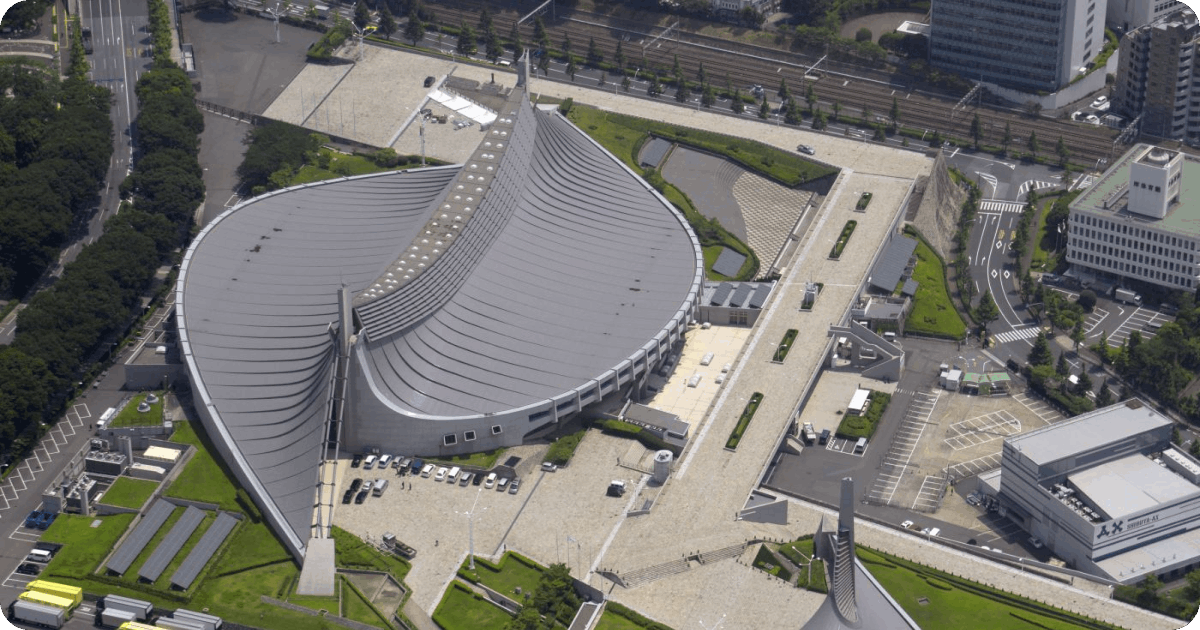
x=1074, y=92
x=139, y=377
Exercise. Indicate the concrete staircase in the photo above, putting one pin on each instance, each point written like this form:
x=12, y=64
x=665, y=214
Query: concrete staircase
x=649, y=574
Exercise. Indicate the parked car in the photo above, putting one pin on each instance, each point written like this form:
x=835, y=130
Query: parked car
x=465, y=478
x=384, y=460
x=427, y=470
x=355, y=485
x=906, y=524
x=441, y=473
x=29, y=568
x=349, y=494
x=490, y=482
x=429, y=81
x=476, y=479
x=824, y=436
x=512, y=487
x=31, y=521
x=46, y=520
x=807, y=150
x=356, y=461
x=362, y=496
x=396, y=463
x=549, y=467
x=502, y=485
x=1100, y=100
x=1037, y=544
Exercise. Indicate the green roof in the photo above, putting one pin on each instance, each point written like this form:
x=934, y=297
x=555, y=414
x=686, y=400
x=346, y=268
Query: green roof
x=1183, y=216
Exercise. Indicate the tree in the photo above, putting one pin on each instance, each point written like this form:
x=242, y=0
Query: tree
x=1007, y=139
x=863, y=35
x=783, y=92
x=619, y=56
x=894, y=114
x=736, y=105
x=655, y=88
x=1062, y=368
x=362, y=15
x=414, y=31
x=810, y=97
x=791, y=113
x=493, y=50
x=625, y=83
x=593, y=53
x=566, y=45
x=1103, y=349
x=1085, y=383
x=518, y=46
x=1105, y=398
x=987, y=312
x=571, y=69
x=1060, y=148
x=1077, y=335
x=764, y=109
x=387, y=23
x=682, y=93
x=976, y=131
x=708, y=96
x=1027, y=286
x=837, y=111
x=675, y=67
x=1040, y=354
x=1033, y=144
x=485, y=20
x=539, y=33
x=820, y=120
x=1192, y=590
x=544, y=65
x=751, y=17
x=1087, y=299
x=466, y=40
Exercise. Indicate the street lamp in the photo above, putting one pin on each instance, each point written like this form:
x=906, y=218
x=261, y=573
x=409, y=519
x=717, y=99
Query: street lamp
x=471, y=528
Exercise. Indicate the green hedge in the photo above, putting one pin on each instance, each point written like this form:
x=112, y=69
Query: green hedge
x=633, y=616
x=785, y=345
x=563, y=448
x=620, y=428
x=853, y=427
x=844, y=238
x=744, y=421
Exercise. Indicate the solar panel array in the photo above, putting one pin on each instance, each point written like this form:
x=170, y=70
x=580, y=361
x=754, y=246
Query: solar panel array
x=154, y=519
x=171, y=544
x=721, y=294
x=195, y=561
x=760, y=295
x=739, y=295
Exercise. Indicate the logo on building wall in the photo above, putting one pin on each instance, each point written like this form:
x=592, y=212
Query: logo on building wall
x=1117, y=528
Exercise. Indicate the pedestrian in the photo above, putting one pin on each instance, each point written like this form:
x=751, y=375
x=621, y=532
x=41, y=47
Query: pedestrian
x=435, y=543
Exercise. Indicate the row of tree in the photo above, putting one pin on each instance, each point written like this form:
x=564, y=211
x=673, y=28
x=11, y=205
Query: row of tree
x=74, y=323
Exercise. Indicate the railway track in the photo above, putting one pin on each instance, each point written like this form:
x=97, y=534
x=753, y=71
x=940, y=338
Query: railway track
x=744, y=65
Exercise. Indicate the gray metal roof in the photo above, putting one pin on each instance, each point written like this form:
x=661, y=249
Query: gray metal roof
x=145, y=530
x=171, y=544
x=886, y=274
x=729, y=263
x=1131, y=484
x=203, y=551
x=567, y=269
x=760, y=295
x=1087, y=432
x=876, y=608
x=654, y=152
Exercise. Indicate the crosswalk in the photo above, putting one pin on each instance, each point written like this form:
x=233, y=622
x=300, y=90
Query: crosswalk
x=1016, y=335
x=1000, y=206
x=1034, y=184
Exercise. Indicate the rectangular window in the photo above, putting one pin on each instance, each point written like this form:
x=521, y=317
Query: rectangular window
x=469, y=436
x=449, y=439
x=497, y=429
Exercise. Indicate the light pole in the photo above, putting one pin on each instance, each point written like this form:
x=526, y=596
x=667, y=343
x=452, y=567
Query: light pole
x=471, y=528
x=275, y=14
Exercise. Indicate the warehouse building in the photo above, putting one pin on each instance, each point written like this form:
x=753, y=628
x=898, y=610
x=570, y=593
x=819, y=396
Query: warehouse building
x=1107, y=492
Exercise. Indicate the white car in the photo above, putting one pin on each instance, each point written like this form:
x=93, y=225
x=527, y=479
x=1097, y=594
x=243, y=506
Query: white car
x=1100, y=100
x=549, y=467
x=906, y=524
x=489, y=482
x=441, y=474
x=427, y=470
x=1094, y=119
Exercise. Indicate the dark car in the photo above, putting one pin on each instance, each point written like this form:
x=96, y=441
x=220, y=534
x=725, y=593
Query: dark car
x=347, y=496
x=355, y=485
x=824, y=436
x=31, y=521
x=362, y=496
x=29, y=568
x=429, y=81
x=356, y=462
x=46, y=520
x=477, y=479
x=1013, y=366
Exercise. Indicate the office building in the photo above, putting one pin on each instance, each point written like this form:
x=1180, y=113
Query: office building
x=1138, y=220
x=1028, y=45
x=1157, y=78
x=1126, y=15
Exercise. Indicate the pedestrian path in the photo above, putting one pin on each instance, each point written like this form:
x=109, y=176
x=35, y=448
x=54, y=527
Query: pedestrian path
x=992, y=205
x=1016, y=335
x=1034, y=185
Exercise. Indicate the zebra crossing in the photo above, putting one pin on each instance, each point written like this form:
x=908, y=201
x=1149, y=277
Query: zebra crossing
x=1016, y=335
x=1034, y=184
x=992, y=205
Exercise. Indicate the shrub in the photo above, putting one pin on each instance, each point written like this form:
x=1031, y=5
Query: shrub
x=785, y=345
x=565, y=106
x=838, y=247
x=563, y=448
x=744, y=421
x=863, y=35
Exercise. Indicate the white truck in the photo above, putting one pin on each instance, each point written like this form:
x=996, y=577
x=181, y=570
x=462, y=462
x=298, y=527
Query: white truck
x=1127, y=296
x=115, y=617
x=39, y=614
x=810, y=434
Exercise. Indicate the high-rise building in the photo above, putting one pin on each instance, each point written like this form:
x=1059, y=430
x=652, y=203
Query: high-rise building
x=1157, y=77
x=1029, y=45
x=1126, y=15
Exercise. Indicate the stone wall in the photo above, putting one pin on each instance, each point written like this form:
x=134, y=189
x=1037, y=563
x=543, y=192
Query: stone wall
x=937, y=216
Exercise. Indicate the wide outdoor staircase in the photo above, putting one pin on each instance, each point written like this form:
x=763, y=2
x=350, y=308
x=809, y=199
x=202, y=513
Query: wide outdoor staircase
x=649, y=574
x=843, y=578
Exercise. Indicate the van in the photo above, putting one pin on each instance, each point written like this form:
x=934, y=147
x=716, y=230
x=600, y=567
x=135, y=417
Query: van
x=935, y=531
x=369, y=462
x=453, y=475
x=380, y=486
x=427, y=470
x=39, y=555
x=384, y=459
x=860, y=446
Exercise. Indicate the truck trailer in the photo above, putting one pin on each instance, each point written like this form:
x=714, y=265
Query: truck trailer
x=116, y=617
x=38, y=614
x=141, y=609
x=73, y=593
x=1127, y=296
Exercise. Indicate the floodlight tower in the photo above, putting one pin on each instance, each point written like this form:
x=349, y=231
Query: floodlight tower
x=471, y=527
x=275, y=15
x=361, y=34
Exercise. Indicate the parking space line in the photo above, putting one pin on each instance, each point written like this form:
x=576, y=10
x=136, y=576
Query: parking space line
x=86, y=413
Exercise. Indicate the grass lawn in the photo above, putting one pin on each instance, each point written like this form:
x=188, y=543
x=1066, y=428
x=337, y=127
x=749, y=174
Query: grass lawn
x=855, y=426
x=252, y=545
x=462, y=609
x=933, y=313
x=355, y=607
x=612, y=621
x=203, y=479
x=959, y=603
x=131, y=417
x=563, y=448
x=236, y=599
x=505, y=577
x=1046, y=257
x=744, y=421
x=351, y=552
x=484, y=460
x=800, y=552
x=340, y=165
x=766, y=561
x=83, y=546
x=129, y=492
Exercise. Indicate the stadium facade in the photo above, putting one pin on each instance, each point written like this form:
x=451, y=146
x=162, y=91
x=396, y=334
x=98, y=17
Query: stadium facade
x=437, y=311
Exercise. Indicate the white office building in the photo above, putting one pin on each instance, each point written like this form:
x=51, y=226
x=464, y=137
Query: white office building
x=1127, y=15
x=1138, y=220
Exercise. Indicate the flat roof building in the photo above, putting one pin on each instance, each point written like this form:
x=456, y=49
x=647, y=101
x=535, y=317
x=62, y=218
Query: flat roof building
x=1140, y=220
x=1157, y=75
x=436, y=312
x=1107, y=492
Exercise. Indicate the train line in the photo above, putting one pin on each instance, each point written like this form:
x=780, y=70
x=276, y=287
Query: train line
x=746, y=64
